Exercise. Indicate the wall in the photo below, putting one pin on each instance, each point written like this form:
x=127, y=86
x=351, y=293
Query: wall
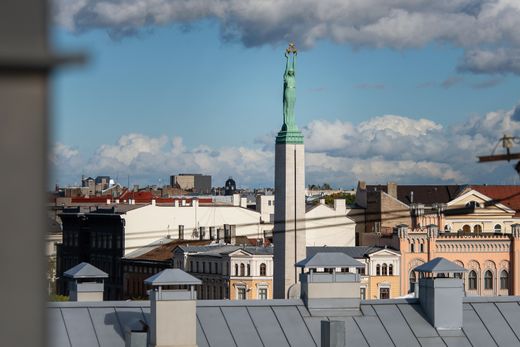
x=327, y=226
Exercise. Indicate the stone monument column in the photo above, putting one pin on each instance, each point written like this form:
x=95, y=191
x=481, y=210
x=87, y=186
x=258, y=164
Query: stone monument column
x=289, y=212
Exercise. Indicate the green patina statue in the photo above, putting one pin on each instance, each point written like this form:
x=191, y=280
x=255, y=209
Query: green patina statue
x=289, y=132
x=289, y=89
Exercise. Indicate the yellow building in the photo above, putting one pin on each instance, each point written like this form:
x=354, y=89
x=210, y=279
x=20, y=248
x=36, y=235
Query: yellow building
x=228, y=272
x=380, y=278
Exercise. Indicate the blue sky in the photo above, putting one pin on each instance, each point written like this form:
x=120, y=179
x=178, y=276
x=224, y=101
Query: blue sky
x=159, y=99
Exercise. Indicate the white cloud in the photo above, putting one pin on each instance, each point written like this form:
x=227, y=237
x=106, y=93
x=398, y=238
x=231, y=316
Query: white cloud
x=473, y=25
x=384, y=148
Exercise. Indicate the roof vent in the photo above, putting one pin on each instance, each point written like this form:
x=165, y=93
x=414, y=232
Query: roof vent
x=173, y=293
x=441, y=290
x=324, y=290
x=86, y=282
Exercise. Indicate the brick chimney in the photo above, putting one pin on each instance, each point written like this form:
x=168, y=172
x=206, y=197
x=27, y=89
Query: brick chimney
x=173, y=309
x=391, y=188
x=441, y=290
x=86, y=282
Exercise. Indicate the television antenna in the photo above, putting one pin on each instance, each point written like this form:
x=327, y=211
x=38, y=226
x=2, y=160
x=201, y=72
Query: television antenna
x=507, y=143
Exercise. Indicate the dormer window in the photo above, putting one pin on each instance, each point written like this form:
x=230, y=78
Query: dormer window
x=498, y=228
x=473, y=204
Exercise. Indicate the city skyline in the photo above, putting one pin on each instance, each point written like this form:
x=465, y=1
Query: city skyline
x=412, y=108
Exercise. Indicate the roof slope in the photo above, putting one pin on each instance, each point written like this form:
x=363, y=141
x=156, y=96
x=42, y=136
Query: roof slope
x=222, y=323
x=506, y=195
x=424, y=194
x=85, y=270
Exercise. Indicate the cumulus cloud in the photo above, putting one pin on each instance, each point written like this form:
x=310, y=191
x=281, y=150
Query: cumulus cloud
x=389, y=147
x=473, y=25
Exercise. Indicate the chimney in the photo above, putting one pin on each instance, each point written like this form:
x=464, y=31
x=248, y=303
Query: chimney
x=235, y=199
x=109, y=201
x=333, y=333
x=173, y=309
x=391, y=188
x=441, y=289
x=195, y=202
x=330, y=291
x=86, y=282
x=176, y=203
x=340, y=206
x=322, y=201
x=153, y=202
x=243, y=202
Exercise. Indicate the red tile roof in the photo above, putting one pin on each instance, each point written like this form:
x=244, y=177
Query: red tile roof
x=506, y=195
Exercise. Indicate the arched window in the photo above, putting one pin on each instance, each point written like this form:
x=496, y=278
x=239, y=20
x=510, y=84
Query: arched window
x=477, y=228
x=248, y=270
x=472, y=280
x=197, y=267
x=504, y=280
x=473, y=204
x=498, y=228
x=488, y=280
x=466, y=228
x=236, y=269
x=384, y=270
x=242, y=270
x=412, y=248
x=263, y=269
x=378, y=270
x=390, y=270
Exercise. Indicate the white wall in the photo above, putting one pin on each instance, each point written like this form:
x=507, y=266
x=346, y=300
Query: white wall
x=327, y=226
x=150, y=223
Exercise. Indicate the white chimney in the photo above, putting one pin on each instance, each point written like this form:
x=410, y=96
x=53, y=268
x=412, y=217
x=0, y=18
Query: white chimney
x=235, y=199
x=153, y=202
x=322, y=201
x=86, y=282
x=117, y=201
x=176, y=203
x=173, y=320
x=109, y=201
x=340, y=206
x=243, y=202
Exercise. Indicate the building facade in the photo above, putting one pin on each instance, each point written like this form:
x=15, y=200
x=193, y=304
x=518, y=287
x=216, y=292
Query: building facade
x=228, y=272
x=196, y=183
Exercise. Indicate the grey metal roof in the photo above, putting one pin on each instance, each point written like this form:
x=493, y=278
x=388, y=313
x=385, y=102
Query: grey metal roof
x=493, y=321
x=220, y=250
x=172, y=277
x=329, y=259
x=439, y=265
x=356, y=252
x=85, y=270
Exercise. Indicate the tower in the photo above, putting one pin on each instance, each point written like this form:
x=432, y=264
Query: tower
x=289, y=212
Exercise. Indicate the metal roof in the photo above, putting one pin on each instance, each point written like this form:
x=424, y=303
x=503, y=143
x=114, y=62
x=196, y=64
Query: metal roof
x=85, y=270
x=356, y=252
x=329, y=259
x=169, y=277
x=439, y=265
x=491, y=321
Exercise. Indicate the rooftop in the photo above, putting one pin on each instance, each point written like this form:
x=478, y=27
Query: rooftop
x=424, y=194
x=488, y=321
x=171, y=277
x=329, y=259
x=85, y=270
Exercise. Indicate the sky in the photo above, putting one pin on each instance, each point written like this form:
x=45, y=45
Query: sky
x=404, y=90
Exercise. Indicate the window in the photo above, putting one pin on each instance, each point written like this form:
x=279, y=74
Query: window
x=421, y=248
x=473, y=204
x=362, y=293
x=236, y=269
x=477, y=228
x=181, y=232
x=390, y=270
x=262, y=293
x=197, y=267
x=263, y=269
x=361, y=271
x=472, y=280
x=344, y=269
x=498, y=228
x=466, y=228
x=504, y=280
x=412, y=248
x=191, y=265
x=204, y=267
x=488, y=280
x=378, y=270
x=241, y=293
x=248, y=270
x=242, y=270
x=413, y=279
x=384, y=293
x=384, y=270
